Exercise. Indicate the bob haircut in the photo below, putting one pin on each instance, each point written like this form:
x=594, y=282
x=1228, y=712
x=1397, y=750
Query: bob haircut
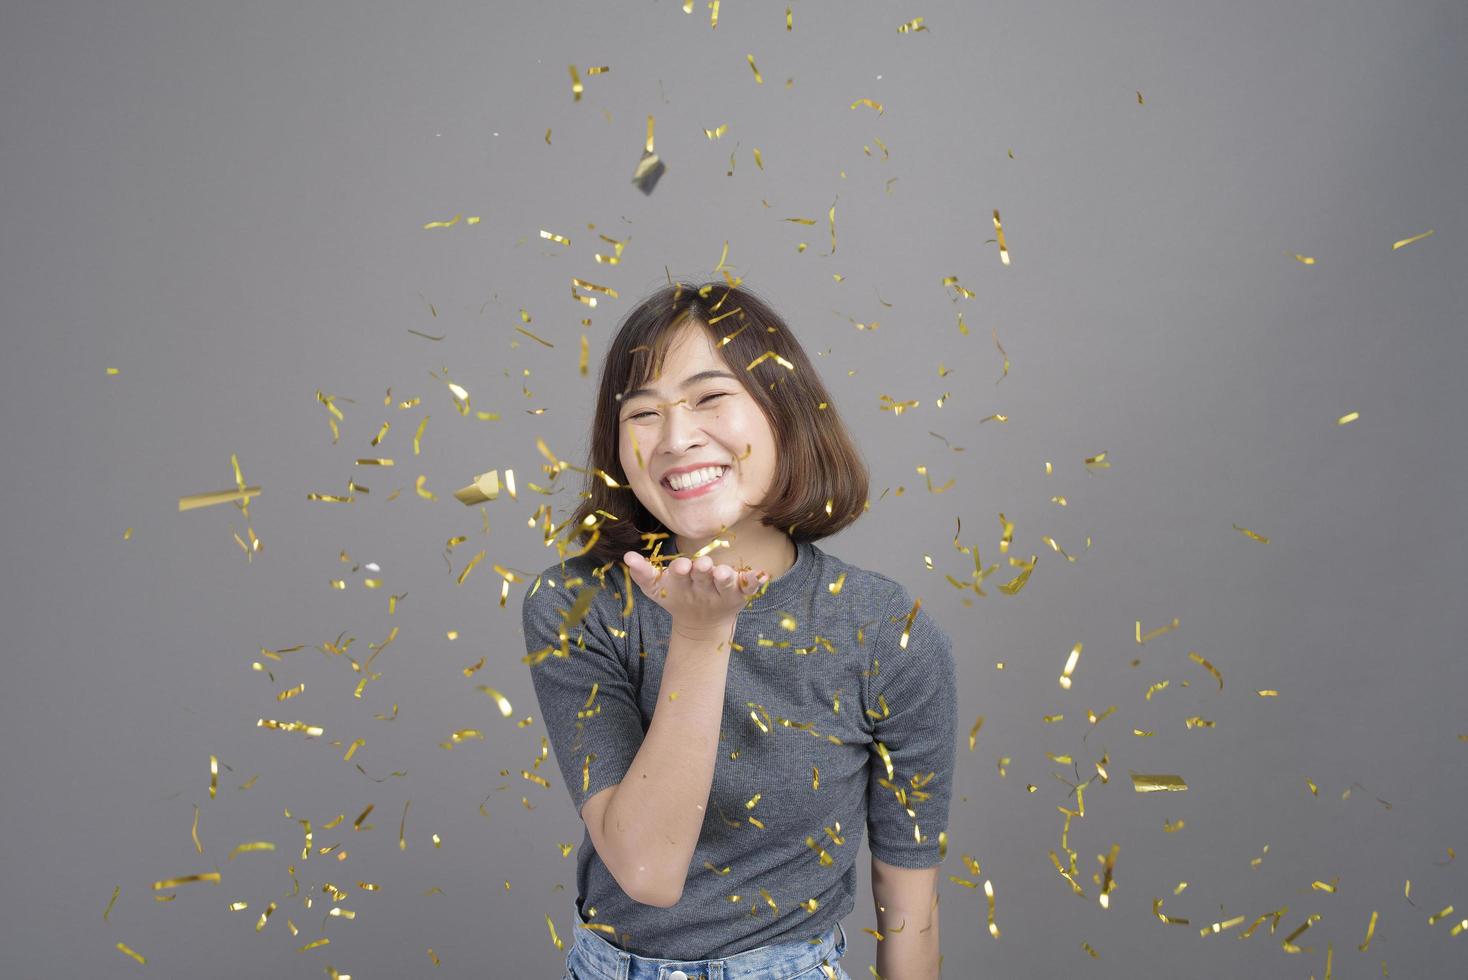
x=821, y=479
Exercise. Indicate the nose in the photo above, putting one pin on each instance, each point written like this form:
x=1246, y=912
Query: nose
x=680, y=431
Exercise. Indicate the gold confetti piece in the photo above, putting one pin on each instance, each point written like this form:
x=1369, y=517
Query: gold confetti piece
x=999, y=231
x=1326, y=886
x=1070, y=665
x=758, y=160
x=713, y=13
x=718, y=132
x=953, y=281
x=1173, y=828
x=198, y=846
x=1433, y=920
x=989, y=894
x=912, y=26
x=250, y=847
x=194, y=501
x=127, y=535
x=869, y=104
x=1153, y=634
x=1139, y=99
x=1208, y=667
x=1157, y=783
x=209, y=876
x=290, y=726
x=602, y=70
x=447, y=224
x=486, y=486
x=323, y=941
x=131, y=952
x=547, y=137
x=403, y=840
x=425, y=494
x=1098, y=461
x=470, y=567
x=500, y=699
x=650, y=167
x=552, y=236
x=116, y=890
x=113, y=371
x=1348, y=418
x=1267, y=694
x=1289, y=941
x=1395, y=245
x=576, y=88
x=757, y=78
x=1249, y=533
x=1169, y=920
x=1303, y=259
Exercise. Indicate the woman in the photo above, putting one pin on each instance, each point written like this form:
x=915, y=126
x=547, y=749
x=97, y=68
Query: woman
x=732, y=726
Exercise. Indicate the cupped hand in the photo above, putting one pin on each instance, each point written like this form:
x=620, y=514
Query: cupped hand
x=702, y=597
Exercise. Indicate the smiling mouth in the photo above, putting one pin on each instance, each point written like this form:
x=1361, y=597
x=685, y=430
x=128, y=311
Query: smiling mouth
x=691, y=490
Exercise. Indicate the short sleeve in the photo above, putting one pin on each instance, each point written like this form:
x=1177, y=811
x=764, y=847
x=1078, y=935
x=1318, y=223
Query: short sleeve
x=594, y=744
x=919, y=687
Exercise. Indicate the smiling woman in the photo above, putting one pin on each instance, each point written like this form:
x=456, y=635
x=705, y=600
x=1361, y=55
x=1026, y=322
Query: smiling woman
x=703, y=377
x=712, y=424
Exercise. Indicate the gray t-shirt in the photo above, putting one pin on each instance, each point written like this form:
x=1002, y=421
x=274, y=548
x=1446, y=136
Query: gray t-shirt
x=813, y=765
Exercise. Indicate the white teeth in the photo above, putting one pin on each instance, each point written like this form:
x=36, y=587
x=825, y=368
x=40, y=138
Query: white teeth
x=688, y=481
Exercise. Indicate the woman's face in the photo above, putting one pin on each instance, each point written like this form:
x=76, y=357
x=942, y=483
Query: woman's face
x=675, y=424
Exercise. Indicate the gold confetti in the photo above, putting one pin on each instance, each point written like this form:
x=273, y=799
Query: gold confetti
x=1409, y=241
x=1157, y=783
x=1348, y=418
x=1304, y=259
x=1139, y=99
x=1070, y=665
x=323, y=941
x=422, y=492
x=1098, y=462
x=547, y=137
x=1169, y=920
x=193, y=501
x=869, y=104
x=1208, y=667
x=1249, y=533
x=209, y=876
x=650, y=167
x=500, y=699
x=1433, y=920
x=486, y=486
x=989, y=894
x=757, y=78
x=133, y=953
x=1153, y=634
x=290, y=726
x=953, y=281
x=552, y=236
x=718, y=132
x=912, y=26
x=197, y=846
x=713, y=13
x=999, y=231
x=576, y=88
x=116, y=890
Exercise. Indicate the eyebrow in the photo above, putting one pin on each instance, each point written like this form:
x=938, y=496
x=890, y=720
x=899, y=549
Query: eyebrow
x=688, y=382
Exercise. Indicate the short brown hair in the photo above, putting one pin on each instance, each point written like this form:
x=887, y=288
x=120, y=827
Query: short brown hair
x=821, y=481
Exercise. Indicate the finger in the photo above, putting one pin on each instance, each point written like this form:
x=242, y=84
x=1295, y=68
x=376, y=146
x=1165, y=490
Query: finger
x=723, y=577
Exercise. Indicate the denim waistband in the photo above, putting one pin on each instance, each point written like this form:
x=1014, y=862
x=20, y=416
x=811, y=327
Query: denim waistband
x=597, y=959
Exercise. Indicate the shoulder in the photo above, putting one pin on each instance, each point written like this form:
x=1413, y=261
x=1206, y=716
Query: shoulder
x=561, y=585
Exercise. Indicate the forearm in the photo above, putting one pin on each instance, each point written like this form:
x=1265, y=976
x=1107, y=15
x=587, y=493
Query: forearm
x=657, y=812
x=909, y=946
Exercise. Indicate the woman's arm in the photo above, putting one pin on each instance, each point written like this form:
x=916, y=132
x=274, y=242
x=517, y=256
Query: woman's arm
x=907, y=918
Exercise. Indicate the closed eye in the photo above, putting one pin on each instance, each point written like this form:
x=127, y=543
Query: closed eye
x=701, y=401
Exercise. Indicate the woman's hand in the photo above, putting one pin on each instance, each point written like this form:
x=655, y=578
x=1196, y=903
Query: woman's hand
x=703, y=598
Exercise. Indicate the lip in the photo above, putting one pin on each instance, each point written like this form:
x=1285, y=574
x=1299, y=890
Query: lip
x=696, y=491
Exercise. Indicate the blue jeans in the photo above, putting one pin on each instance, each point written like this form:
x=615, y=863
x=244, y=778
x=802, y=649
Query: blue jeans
x=593, y=958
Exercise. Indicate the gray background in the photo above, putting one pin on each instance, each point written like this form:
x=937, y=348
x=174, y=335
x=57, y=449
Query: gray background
x=225, y=201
